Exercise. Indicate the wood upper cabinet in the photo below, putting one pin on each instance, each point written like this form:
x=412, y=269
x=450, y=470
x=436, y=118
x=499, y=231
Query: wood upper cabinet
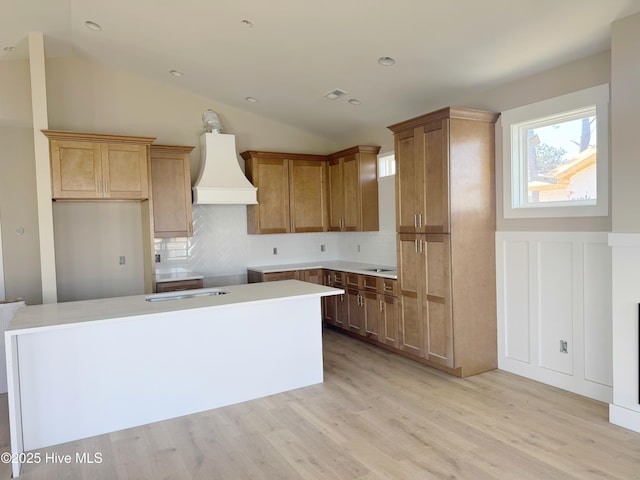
x=94, y=166
x=445, y=206
x=291, y=192
x=308, y=195
x=353, y=189
x=171, y=191
x=422, y=193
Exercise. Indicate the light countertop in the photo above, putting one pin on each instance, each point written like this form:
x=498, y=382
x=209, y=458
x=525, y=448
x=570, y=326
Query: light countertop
x=68, y=314
x=343, y=266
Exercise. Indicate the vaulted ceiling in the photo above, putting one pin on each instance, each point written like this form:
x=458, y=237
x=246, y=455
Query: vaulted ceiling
x=287, y=54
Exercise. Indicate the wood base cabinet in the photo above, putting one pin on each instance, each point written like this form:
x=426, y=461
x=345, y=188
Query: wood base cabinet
x=445, y=215
x=425, y=291
x=367, y=309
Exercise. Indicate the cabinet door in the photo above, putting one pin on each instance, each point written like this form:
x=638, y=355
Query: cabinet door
x=342, y=312
x=355, y=317
x=409, y=191
x=271, y=214
x=329, y=304
x=411, y=270
x=125, y=170
x=307, y=195
x=389, y=320
x=75, y=170
x=437, y=300
x=351, y=182
x=372, y=314
x=171, y=192
x=436, y=163
x=336, y=195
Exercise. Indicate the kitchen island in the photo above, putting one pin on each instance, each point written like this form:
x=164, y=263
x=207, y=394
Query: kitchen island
x=81, y=369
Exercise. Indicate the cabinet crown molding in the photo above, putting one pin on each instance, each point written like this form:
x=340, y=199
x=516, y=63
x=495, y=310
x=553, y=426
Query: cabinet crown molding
x=447, y=112
x=97, y=137
x=353, y=150
x=281, y=155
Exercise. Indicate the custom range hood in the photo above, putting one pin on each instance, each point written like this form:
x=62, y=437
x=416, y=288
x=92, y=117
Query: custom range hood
x=221, y=180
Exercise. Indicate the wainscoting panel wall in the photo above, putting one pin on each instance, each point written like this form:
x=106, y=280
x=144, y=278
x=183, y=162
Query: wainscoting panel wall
x=554, y=309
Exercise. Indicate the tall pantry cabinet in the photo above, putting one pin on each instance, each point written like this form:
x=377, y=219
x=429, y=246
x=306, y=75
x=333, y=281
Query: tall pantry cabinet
x=445, y=216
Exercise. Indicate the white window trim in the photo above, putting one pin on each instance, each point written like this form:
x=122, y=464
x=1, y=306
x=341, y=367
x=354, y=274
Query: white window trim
x=385, y=156
x=598, y=96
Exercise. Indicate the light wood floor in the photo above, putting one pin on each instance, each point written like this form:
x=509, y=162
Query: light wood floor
x=377, y=416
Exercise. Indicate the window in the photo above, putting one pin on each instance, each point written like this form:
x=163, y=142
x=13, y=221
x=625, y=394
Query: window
x=555, y=156
x=386, y=164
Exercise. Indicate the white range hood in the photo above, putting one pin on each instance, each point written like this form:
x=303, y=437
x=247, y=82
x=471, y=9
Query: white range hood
x=221, y=180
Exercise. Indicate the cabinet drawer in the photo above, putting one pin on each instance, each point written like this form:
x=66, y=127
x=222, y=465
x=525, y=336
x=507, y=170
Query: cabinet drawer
x=388, y=286
x=178, y=285
x=353, y=280
x=275, y=276
x=369, y=283
x=339, y=279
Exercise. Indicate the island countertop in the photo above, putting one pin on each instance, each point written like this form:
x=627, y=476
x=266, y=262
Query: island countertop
x=58, y=315
x=81, y=369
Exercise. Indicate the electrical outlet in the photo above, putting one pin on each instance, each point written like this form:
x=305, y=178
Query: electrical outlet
x=275, y=250
x=122, y=260
x=358, y=248
x=158, y=259
x=322, y=248
x=564, y=346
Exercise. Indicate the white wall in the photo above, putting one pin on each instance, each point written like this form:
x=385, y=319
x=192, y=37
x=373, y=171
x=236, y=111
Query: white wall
x=625, y=241
x=553, y=287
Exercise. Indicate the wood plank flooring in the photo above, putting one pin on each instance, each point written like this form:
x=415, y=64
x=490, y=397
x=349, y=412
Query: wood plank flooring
x=376, y=416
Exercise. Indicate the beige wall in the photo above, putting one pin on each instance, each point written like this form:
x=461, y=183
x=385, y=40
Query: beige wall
x=18, y=213
x=18, y=209
x=88, y=97
x=625, y=135
x=84, y=96
x=15, y=94
x=89, y=240
x=584, y=73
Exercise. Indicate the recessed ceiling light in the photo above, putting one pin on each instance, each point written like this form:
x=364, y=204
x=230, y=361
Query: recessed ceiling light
x=251, y=100
x=246, y=23
x=175, y=73
x=9, y=49
x=386, y=61
x=93, y=26
x=354, y=101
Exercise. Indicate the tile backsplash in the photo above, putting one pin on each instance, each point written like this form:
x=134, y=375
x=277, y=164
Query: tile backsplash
x=221, y=246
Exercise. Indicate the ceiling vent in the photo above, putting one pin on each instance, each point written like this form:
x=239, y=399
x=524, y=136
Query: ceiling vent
x=336, y=93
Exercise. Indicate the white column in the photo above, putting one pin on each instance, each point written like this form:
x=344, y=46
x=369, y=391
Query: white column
x=43, y=170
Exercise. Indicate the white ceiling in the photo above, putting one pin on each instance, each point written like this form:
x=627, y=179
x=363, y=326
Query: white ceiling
x=298, y=50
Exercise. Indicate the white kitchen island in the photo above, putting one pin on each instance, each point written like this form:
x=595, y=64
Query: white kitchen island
x=81, y=369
